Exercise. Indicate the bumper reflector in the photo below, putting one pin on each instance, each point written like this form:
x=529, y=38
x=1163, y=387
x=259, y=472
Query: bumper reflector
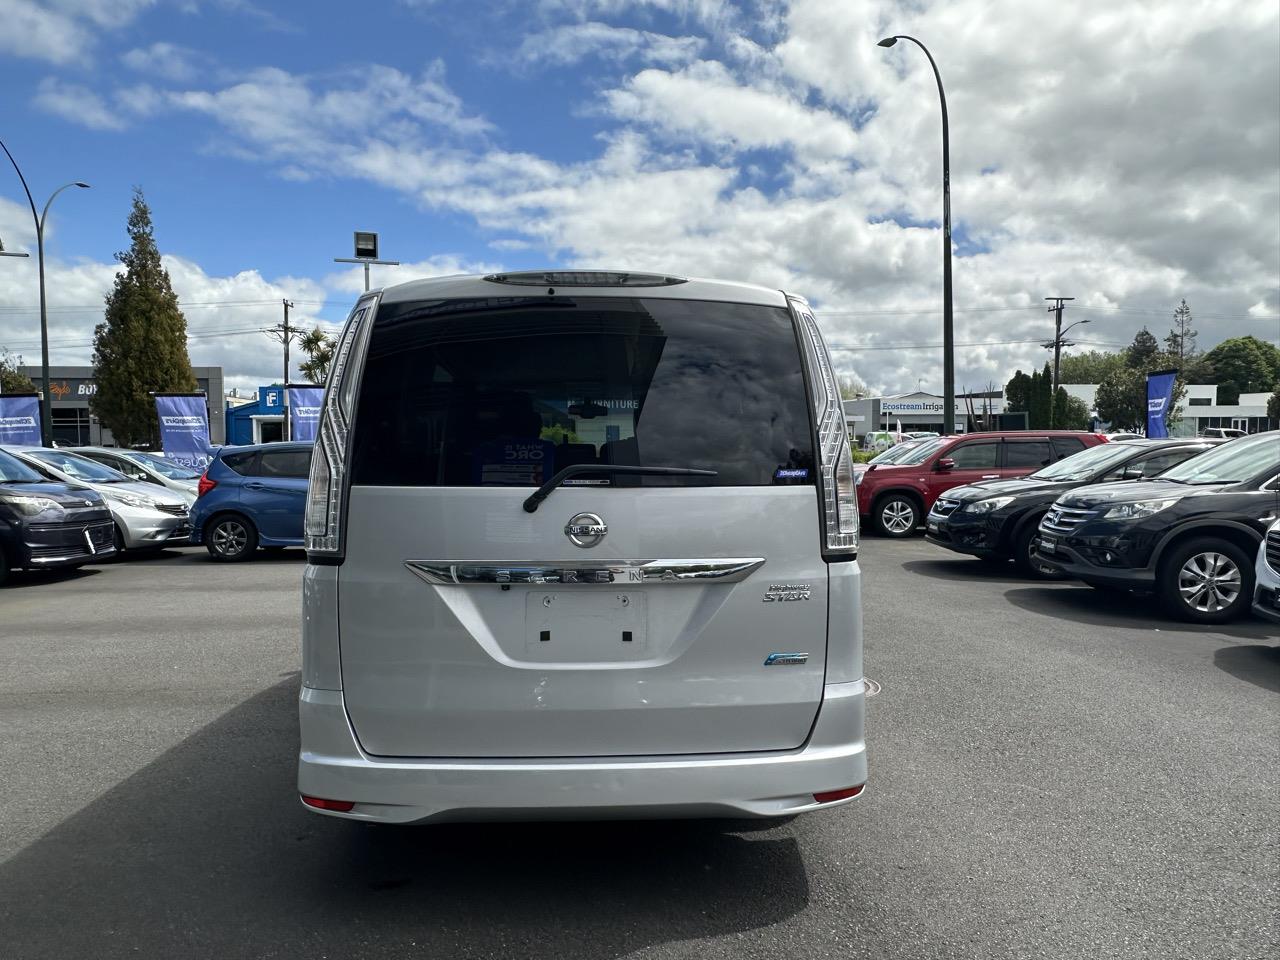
x=341, y=806
x=832, y=795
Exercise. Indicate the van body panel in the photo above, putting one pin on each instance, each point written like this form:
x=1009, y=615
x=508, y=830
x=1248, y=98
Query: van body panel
x=462, y=671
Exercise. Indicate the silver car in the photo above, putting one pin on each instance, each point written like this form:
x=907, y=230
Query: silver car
x=146, y=517
x=146, y=468
x=595, y=538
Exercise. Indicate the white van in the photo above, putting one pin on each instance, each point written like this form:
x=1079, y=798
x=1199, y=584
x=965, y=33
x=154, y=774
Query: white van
x=581, y=544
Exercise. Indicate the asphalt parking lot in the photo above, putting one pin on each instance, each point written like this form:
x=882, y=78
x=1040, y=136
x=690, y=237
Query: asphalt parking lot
x=1054, y=773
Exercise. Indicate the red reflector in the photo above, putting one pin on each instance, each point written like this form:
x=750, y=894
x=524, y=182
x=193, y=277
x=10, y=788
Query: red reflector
x=833, y=795
x=341, y=806
x=205, y=485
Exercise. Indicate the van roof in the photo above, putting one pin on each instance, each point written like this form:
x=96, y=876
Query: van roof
x=468, y=286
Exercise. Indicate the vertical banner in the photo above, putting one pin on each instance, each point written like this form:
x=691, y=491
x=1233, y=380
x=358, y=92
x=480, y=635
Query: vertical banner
x=1159, y=400
x=184, y=428
x=304, y=412
x=20, y=419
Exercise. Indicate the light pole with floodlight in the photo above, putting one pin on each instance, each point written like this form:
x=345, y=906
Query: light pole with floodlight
x=46, y=411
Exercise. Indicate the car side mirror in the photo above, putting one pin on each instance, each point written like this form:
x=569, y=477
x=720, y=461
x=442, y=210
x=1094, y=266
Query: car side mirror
x=946, y=463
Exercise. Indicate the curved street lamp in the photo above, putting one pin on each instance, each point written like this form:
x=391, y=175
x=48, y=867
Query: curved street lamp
x=46, y=411
x=948, y=329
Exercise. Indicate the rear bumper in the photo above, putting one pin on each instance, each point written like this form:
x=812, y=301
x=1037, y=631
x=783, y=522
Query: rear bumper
x=332, y=766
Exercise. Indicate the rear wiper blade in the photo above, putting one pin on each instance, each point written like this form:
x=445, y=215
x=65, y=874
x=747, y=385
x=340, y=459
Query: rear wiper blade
x=578, y=469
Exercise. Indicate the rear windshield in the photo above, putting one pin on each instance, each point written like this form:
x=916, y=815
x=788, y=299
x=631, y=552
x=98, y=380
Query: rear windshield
x=505, y=392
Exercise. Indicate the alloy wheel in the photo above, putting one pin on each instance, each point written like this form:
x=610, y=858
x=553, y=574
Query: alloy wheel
x=898, y=516
x=1209, y=582
x=229, y=537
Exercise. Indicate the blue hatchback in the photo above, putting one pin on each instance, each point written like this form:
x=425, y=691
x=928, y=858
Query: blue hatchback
x=252, y=497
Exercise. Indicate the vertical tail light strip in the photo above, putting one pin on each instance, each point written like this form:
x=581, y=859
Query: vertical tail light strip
x=328, y=460
x=835, y=473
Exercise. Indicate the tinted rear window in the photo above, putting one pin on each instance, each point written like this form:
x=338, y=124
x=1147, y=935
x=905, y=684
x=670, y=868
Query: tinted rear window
x=285, y=463
x=241, y=463
x=505, y=392
x=1026, y=453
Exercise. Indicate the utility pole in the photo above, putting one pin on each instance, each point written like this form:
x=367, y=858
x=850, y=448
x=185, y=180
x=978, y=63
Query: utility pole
x=283, y=333
x=1056, y=346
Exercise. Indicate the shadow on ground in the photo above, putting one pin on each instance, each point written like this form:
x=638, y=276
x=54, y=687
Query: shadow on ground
x=1257, y=663
x=966, y=570
x=206, y=853
x=1084, y=604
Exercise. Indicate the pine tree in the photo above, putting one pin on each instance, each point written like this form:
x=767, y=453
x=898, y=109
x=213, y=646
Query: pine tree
x=140, y=348
x=1181, y=339
x=1144, y=349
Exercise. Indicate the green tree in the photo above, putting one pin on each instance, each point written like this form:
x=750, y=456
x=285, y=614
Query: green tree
x=1090, y=367
x=11, y=380
x=318, y=346
x=1144, y=350
x=1017, y=392
x=140, y=348
x=1181, y=340
x=1070, y=413
x=1243, y=365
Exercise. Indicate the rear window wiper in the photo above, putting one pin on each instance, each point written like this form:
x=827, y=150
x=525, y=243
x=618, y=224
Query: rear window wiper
x=579, y=469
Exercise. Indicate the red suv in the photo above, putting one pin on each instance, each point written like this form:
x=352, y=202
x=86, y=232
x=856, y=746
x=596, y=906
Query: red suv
x=896, y=497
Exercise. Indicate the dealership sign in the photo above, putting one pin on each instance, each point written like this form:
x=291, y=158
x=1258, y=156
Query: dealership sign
x=20, y=419
x=184, y=428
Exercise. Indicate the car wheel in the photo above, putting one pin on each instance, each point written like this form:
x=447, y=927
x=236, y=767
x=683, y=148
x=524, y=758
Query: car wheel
x=1024, y=548
x=231, y=537
x=897, y=515
x=1206, y=581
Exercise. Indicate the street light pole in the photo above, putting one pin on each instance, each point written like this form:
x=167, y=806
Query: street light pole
x=46, y=411
x=948, y=326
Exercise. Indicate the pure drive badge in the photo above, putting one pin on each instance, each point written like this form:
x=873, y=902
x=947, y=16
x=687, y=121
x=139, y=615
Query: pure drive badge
x=785, y=659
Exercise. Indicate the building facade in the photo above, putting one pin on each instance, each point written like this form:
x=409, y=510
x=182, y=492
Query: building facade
x=74, y=425
x=1201, y=409
x=923, y=411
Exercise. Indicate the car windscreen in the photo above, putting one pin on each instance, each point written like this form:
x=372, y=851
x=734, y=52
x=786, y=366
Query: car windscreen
x=166, y=468
x=896, y=453
x=1086, y=463
x=81, y=468
x=1233, y=462
x=508, y=391
x=921, y=453
x=13, y=470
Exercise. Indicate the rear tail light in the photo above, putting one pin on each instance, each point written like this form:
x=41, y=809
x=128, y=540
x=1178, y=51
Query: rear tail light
x=838, y=492
x=205, y=485
x=831, y=796
x=328, y=461
x=339, y=806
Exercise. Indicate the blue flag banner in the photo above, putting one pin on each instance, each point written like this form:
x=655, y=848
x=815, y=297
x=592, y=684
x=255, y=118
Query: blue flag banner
x=304, y=412
x=20, y=419
x=1159, y=400
x=184, y=428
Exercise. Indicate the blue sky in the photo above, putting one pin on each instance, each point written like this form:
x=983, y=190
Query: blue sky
x=1113, y=159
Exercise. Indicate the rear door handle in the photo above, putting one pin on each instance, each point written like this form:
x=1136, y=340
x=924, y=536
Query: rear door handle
x=255, y=486
x=991, y=476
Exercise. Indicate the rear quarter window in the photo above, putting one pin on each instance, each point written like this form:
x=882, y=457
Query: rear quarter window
x=241, y=463
x=507, y=391
x=1066, y=446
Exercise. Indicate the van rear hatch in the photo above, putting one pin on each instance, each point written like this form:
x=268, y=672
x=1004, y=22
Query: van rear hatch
x=628, y=614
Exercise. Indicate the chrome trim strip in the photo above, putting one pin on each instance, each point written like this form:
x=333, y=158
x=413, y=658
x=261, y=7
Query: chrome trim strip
x=480, y=572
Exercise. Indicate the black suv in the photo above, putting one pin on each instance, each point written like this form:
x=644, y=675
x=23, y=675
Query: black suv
x=997, y=519
x=1190, y=535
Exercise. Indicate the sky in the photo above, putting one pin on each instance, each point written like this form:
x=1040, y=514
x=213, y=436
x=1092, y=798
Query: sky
x=1123, y=153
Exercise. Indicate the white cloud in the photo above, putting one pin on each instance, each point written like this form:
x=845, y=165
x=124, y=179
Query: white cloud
x=61, y=31
x=165, y=60
x=77, y=104
x=572, y=43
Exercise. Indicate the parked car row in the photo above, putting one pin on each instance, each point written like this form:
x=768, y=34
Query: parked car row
x=1191, y=521
x=63, y=507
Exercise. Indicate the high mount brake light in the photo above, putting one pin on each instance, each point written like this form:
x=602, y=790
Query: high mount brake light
x=584, y=278
x=839, y=492
x=328, y=461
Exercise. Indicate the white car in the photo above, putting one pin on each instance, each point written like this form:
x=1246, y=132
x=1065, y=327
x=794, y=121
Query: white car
x=1266, y=592
x=146, y=468
x=581, y=544
x=146, y=517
